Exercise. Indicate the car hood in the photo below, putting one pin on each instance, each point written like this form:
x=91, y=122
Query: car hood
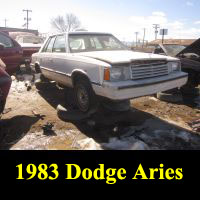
x=126, y=56
x=193, y=48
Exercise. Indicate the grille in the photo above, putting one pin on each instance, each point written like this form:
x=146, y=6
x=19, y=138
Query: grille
x=149, y=69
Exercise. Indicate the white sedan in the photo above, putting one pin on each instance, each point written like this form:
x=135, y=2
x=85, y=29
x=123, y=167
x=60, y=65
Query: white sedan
x=98, y=64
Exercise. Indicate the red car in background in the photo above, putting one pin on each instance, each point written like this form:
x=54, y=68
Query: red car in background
x=29, y=42
x=5, y=83
x=11, y=53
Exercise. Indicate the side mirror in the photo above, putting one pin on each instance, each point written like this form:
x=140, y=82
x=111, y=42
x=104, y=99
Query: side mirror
x=2, y=46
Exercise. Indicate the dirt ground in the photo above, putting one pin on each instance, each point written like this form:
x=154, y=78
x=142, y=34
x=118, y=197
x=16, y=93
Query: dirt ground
x=30, y=121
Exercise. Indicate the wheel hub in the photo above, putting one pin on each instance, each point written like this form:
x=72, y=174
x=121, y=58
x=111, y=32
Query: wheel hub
x=83, y=99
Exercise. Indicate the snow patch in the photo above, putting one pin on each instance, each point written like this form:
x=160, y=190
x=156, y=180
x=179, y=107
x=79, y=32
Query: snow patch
x=129, y=143
x=88, y=144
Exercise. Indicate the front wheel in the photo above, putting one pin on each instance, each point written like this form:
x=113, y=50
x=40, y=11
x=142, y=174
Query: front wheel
x=86, y=99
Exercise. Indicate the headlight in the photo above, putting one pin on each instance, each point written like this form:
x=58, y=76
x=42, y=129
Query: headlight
x=174, y=66
x=120, y=73
x=116, y=73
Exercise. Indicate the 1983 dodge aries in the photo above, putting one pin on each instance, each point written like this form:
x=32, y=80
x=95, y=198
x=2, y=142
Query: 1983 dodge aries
x=98, y=64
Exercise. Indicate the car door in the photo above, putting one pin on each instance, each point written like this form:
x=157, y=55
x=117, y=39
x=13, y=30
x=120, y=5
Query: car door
x=59, y=59
x=46, y=58
x=11, y=54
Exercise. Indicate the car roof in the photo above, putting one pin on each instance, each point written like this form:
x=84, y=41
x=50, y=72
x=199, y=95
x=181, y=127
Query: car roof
x=82, y=33
x=88, y=33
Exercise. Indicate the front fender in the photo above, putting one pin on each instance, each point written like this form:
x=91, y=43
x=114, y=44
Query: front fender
x=78, y=72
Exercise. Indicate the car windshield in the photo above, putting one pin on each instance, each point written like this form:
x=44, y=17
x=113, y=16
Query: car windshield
x=173, y=49
x=94, y=42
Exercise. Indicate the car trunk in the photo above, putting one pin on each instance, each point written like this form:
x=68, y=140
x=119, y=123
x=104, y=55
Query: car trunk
x=28, y=50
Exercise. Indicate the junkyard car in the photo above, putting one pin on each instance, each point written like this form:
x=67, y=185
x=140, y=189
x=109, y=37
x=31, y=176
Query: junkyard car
x=189, y=57
x=10, y=53
x=5, y=83
x=29, y=42
x=98, y=64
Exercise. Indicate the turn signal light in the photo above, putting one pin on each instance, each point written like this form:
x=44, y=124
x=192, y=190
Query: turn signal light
x=106, y=74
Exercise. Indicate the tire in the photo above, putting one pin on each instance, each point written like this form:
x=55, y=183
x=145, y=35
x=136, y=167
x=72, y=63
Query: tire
x=85, y=97
x=170, y=97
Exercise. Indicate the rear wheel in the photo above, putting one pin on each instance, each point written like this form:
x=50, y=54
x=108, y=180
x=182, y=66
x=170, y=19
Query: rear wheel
x=86, y=99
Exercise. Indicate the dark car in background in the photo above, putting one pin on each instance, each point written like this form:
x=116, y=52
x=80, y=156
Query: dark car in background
x=5, y=83
x=11, y=53
x=189, y=56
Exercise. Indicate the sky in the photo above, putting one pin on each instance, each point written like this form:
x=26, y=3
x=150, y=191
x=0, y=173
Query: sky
x=121, y=17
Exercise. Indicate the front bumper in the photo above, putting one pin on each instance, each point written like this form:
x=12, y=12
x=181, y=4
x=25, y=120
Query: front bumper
x=143, y=87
